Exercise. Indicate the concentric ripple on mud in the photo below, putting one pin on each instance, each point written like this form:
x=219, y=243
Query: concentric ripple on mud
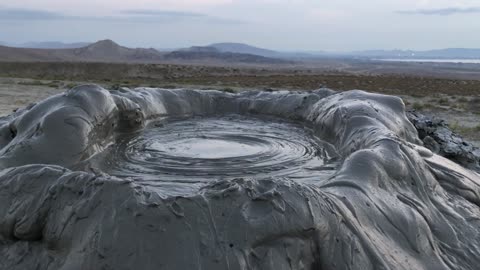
x=205, y=149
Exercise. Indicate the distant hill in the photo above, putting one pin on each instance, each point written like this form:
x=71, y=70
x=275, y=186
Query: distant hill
x=52, y=45
x=109, y=51
x=101, y=51
x=248, y=49
x=200, y=49
x=450, y=53
x=213, y=54
x=244, y=48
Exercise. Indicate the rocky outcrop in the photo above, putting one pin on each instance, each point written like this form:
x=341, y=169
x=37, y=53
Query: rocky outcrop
x=439, y=138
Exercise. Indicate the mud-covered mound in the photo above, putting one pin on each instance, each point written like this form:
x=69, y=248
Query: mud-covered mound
x=91, y=180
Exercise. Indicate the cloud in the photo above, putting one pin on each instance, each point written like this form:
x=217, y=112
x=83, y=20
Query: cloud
x=132, y=16
x=147, y=15
x=442, y=11
x=163, y=13
x=29, y=14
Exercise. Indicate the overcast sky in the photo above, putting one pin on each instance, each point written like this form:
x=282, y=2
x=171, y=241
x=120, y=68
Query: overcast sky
x=334, y=25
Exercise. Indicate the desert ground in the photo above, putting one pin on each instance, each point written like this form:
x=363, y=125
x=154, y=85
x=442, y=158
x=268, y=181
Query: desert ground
x=450, y=92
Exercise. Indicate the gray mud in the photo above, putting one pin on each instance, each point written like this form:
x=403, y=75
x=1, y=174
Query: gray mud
x=185, y=179
x=204, y=149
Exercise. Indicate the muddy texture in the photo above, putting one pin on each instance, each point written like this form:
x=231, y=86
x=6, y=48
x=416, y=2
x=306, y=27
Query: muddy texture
x=389, y=202
x=202, y=149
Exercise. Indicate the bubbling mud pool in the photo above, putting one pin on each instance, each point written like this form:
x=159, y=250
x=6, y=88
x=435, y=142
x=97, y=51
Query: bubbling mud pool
x=201, y=149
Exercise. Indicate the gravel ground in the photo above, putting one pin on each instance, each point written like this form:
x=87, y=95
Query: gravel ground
x=18, y=93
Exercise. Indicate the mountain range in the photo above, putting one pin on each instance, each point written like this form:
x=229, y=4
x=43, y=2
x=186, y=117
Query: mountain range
x=244, y=48
x=218, y=53
x=102, y=51
x=109, y=51
x=450, y=53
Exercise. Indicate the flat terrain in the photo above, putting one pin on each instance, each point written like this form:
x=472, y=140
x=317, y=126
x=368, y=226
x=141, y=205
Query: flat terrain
x=451, y=92
x=332, y=74
x=18, y=93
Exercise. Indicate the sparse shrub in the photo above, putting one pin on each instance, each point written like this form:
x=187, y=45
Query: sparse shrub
x=53, y=84
x=443, y=101
x=20, y=102
x=463, y=99
x=461, y=106
x=463, y=130
x=474, y=105
x=455, y=126
x=70, y=85
x=418, y=106
x=417, y=95
x=475, y=100
x=428, y=106
x=31, y=83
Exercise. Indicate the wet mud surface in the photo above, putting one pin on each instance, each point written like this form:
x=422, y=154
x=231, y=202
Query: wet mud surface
x=202, y=149
x=186, y=179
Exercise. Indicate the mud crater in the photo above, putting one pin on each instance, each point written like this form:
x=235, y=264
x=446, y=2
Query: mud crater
x=201, y=149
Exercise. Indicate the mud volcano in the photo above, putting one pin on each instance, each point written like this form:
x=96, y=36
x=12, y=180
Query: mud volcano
x=205, y=149
x=186, y=179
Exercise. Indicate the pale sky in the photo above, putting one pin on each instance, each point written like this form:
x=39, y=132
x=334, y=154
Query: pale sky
x=334, y=25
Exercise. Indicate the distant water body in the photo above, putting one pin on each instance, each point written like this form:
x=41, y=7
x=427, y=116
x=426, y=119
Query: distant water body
x=463, y=61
